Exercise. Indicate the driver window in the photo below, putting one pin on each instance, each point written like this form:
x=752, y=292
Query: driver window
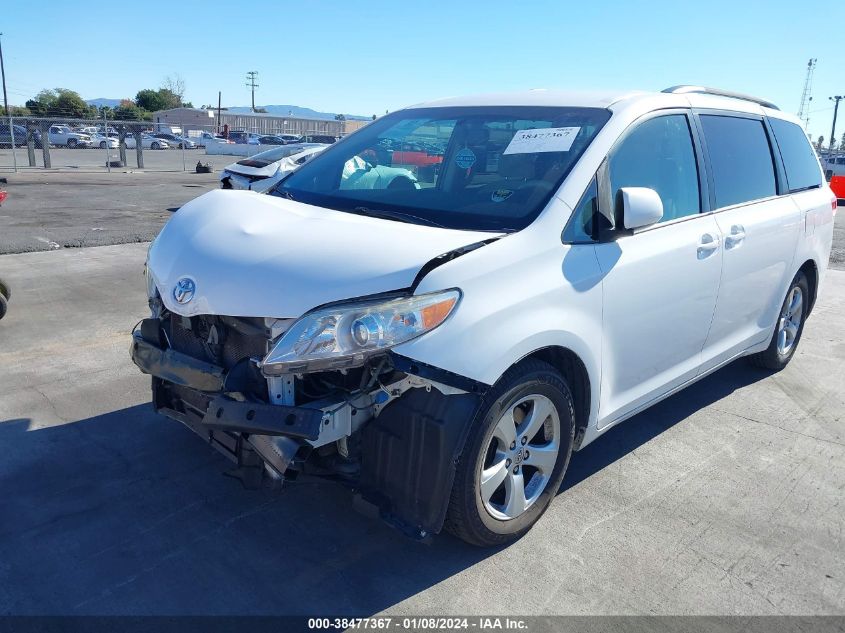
x=659, y=154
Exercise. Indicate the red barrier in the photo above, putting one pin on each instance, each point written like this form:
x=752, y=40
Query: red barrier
x=837, y=183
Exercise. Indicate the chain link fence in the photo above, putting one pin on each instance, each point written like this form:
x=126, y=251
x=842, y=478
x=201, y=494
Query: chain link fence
x=103, y=145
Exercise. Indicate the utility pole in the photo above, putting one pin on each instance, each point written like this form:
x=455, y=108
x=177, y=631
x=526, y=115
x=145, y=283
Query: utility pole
x=250, y=83
x=836, y=100
x=807, y=94
x=219, y=97
x=3, y=73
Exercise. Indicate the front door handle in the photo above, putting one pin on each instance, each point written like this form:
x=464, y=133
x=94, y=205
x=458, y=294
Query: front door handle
x=707, y=245
x=735, y=237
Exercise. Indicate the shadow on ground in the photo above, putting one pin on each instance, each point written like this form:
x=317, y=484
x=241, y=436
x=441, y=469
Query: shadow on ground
x=127, y=513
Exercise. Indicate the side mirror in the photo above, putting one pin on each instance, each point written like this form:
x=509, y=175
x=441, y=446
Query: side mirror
x=641, y=207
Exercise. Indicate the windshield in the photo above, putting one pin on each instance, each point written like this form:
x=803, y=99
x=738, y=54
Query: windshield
x=478, y=168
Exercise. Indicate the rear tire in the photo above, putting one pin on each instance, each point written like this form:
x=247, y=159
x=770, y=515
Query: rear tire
x=3, y=306
x=788, y=327
x=501, y=489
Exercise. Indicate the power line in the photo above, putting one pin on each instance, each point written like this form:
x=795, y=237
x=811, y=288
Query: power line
x=250, y=83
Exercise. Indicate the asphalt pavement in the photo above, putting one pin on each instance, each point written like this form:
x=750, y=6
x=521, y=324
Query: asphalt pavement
x=56, y=209
x=728, y=498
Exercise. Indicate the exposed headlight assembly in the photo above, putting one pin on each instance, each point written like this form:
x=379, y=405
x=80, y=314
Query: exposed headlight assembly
x=344, y=335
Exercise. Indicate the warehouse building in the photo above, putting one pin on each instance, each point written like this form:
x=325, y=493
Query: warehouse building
x=259, y=122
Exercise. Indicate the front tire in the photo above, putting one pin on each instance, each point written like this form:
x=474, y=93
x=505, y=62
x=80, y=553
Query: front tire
x=71, y=144
x=515, y=456
x=154, y=146
x=102, y=145
x=788, y=327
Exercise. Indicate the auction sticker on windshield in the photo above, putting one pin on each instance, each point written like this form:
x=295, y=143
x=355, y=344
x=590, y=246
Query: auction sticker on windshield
x=465, y=158
x=550, y=139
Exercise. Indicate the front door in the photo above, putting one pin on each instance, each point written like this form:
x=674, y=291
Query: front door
x=660, y=284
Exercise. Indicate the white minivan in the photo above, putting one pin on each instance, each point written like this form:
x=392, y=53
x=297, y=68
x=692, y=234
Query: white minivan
x=558, y=263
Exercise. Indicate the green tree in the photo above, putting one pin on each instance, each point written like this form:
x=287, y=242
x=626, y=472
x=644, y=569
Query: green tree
x=128, y=111
x=149, y=100
x=19, y=111
x=60, y=102
x=819, y=143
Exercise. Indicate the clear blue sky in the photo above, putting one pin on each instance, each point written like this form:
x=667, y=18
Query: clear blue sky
x=368, y=57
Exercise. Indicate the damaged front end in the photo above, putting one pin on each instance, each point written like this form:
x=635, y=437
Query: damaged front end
x=388, y=426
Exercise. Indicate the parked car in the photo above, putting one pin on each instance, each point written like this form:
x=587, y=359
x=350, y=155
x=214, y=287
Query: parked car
x=294, y=138
x=271, y=140
x=19, y=134
x=175, y=141
x=244, y=138
x=147, y=142
x=319, y=138
x=64, y=136
x=444, y=347
x=262, y=171
x=834, y=166
x=98, y=140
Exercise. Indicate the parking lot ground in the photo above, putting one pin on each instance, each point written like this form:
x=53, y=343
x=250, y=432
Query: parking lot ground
x=48, y=210
x=728, y=498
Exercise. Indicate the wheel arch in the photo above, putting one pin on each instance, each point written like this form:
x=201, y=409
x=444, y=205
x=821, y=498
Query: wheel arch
x=811, y=271
x=573, y=369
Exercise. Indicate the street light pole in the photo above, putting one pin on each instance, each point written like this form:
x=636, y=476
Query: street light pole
x=836, y=101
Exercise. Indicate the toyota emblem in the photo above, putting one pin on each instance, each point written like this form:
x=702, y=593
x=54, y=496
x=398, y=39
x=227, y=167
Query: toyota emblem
x=184, y=290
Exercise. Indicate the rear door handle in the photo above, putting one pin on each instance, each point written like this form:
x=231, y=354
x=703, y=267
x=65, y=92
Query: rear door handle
x=707, y=245
x=735, y=237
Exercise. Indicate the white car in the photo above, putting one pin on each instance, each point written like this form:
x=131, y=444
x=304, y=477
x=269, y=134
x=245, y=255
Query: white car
x=98, y=140
x=834, y=165
x=443, y=348
x=147, y=142
x=263, y=170
x=64, y=136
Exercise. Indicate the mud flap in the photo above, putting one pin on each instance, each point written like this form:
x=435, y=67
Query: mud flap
x=409, y=453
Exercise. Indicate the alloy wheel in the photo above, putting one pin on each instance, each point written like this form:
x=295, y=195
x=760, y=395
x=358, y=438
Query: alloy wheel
x=790, y=320
x=520, y=457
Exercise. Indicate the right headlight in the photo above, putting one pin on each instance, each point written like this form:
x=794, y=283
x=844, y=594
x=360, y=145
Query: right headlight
x=346, y=334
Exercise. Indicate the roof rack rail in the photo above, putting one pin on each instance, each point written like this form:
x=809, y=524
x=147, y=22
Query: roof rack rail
x=682, y=89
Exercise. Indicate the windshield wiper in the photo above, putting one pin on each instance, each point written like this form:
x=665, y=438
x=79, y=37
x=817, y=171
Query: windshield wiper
x=384, y=214
x=283, y=193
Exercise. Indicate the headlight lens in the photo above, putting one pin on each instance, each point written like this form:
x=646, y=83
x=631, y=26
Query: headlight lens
x=152, y=291
x=344, y=335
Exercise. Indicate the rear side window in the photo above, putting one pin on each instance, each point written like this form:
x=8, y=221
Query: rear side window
x=659, y=154
x=741, y=159
x=799, y=159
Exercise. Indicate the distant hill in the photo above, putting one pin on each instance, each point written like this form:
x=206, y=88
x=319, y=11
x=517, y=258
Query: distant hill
x=112, y=103
x=297, y=111
x=277, y=110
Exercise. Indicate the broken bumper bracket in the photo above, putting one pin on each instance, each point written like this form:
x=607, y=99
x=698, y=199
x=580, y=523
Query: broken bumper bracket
x=263, y=419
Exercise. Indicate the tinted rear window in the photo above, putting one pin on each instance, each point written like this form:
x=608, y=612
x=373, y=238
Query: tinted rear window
x=802, y=168
x=740, y=158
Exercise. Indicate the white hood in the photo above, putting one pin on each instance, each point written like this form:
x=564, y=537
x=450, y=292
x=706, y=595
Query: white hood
x=255, y=255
